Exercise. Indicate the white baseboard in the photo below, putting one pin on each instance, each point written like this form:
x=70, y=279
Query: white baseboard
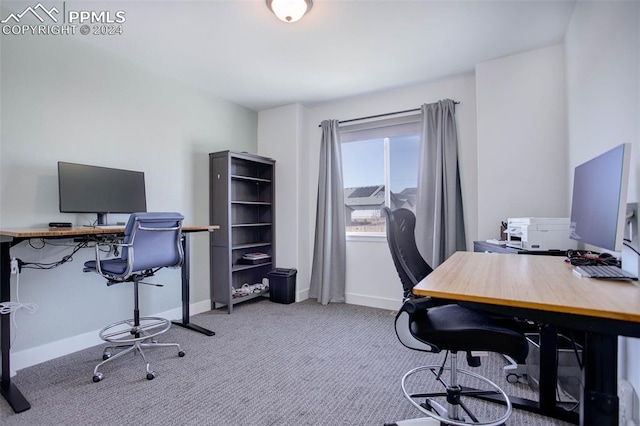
x=32, y=356
x=361, y=300
x=373, y=302
x=49, y=351
x=197, y=308
x=302, y=295
x=36, y=355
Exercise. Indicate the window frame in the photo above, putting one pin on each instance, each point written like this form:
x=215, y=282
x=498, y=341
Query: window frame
x=379, y=129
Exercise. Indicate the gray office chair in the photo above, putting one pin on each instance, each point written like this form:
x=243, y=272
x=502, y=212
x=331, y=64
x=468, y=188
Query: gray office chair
x=435, y=325
x=151, y=242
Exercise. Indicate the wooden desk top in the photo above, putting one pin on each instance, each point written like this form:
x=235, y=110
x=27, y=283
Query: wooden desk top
x=82, y=230
x=544, y=283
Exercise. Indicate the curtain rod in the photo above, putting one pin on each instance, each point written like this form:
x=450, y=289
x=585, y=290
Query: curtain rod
x=382, y=115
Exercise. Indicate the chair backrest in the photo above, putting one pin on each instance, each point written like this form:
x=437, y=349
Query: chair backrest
x=411, y=267
x=153, y=241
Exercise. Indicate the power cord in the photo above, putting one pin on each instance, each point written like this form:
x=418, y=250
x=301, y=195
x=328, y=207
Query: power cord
x=586, y=257
x=631, y=247
x=86, y=243
x=12, y=308
x=65, y=259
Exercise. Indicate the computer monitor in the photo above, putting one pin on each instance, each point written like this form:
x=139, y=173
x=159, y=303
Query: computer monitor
x=599, y=199
x=101, y=190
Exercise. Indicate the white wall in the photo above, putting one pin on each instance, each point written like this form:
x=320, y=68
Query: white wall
x=279, y=131
x=532, y=80
x=64, y=100
x=521, y=138
x=371, y=276
x=603, y=97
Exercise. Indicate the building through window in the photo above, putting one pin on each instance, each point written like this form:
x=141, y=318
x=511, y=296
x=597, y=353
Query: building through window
x=380, y=168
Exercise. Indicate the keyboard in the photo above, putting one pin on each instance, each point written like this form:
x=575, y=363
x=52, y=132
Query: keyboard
x=603, y=272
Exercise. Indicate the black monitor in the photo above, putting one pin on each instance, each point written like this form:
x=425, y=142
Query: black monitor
x=599, y=199
x=101, y=190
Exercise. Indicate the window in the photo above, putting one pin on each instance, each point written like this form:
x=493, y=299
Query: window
x=376, y=156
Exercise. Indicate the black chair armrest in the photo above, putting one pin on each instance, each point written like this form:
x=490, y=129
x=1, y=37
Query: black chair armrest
x=414, y=305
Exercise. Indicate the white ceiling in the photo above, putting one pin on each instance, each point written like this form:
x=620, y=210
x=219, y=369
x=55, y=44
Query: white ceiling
x=239, y=50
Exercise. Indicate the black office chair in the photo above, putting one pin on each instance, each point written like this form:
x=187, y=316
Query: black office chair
x=151, y=242
x=411, y=267
x=435, y=325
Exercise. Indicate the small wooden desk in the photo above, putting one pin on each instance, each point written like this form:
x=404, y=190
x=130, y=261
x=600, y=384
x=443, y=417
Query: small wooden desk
x=9, y=237
x=544, y=289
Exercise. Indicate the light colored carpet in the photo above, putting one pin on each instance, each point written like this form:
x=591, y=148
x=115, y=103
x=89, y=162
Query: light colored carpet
x=269, y=364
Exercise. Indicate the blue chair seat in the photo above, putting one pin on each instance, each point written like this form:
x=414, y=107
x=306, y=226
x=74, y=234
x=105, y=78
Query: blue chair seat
x=110, y=266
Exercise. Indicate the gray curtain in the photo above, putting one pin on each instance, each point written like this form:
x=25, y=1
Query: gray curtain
x=439, y=219
x=329, y=252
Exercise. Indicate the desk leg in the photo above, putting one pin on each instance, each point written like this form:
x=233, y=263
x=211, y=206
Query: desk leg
x=8, y=390
x=599, y=405
x=185, y=292
x=548, y=368
x=548, y=380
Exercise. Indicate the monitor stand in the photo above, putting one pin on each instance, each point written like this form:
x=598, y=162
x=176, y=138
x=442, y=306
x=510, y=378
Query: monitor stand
x=102, y=219
x=102, y=222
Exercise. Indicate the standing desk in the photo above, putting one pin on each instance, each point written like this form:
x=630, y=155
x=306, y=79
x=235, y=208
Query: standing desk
x=544, y=289
x=11, y=237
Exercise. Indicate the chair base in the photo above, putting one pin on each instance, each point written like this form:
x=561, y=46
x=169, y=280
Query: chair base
x=455, y=396
x=133, y=338
x=514, y=372
x=423, y=421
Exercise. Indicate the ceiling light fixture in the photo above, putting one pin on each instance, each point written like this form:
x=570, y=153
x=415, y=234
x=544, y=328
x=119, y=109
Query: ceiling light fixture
x=289, y=10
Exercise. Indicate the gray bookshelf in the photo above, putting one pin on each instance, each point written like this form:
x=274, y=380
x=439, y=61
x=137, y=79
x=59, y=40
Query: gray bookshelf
x=242, y=202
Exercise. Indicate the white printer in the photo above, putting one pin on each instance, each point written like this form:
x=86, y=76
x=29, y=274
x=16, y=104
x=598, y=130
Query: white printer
x=539, y=233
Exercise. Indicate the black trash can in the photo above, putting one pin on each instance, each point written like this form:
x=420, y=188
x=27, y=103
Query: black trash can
x=282, y=285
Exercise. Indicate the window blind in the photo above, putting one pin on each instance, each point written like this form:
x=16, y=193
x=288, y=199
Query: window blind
x=387, y=127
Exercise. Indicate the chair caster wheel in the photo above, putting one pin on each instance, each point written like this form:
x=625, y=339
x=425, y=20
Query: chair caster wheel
x=151, y=376
x=513, y=378
x=97, y=377
x=181, y=354
x=434, y=407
